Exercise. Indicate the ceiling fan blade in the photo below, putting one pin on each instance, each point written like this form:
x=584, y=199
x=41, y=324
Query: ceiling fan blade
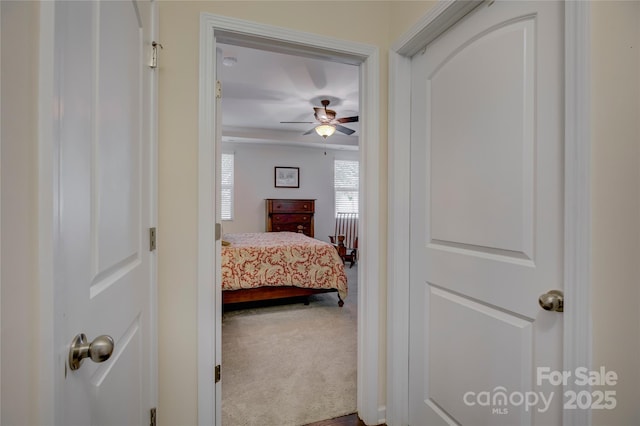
x=348, y=119
x=345, y=130
x=293, y=122
x=308, y=132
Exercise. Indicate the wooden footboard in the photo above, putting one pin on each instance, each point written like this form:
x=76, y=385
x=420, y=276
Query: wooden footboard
x=267, y=293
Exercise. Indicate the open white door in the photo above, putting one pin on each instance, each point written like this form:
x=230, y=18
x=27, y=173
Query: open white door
x=104, y=205
x=487, y=218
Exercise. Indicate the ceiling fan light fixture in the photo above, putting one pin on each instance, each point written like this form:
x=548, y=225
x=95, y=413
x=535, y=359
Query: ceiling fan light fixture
x=325, y=130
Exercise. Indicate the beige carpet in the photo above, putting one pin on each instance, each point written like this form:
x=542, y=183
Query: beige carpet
x=290, y=364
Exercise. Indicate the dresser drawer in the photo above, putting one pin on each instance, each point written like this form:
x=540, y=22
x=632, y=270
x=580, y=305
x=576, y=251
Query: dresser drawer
x=292, y=206
x=292, y=227
x=281, y=218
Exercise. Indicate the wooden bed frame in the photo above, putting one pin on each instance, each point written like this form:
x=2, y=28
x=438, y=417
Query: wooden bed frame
x=268, y=293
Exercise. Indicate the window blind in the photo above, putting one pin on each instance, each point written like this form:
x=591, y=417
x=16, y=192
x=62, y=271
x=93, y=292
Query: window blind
x=226, y=186
x=346, y=185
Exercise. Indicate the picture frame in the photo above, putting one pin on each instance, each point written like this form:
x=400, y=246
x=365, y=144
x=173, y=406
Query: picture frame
x=287, y=177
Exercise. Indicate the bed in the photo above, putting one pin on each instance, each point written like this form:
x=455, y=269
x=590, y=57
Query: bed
x=273, y=265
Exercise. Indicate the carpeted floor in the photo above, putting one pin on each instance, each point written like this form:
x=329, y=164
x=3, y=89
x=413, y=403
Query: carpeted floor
x=287, y=364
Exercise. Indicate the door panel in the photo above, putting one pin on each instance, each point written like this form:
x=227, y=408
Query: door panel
x=464, y=335
x=486, y=216
x=104, y=197
x=116, y=175
x=484, y=204
x=108, y=381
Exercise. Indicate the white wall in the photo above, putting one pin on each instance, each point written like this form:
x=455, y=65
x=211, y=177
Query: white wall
x=19, y=309
x=616, y=188
x=254, y=182
x=615, y=180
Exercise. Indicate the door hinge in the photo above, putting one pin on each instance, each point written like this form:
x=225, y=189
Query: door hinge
x=218, y=231
x=217, y=374
x=152, y=239
x=152, y=417
x=154, y=54
x=218, y=89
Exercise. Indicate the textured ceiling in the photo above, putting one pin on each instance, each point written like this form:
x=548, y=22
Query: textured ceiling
x=263, y=88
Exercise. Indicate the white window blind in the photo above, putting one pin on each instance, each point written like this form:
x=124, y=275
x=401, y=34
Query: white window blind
x=346, y=184
x=226, y=187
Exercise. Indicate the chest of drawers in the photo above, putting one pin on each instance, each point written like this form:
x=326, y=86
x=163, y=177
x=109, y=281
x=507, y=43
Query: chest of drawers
x=290, y=215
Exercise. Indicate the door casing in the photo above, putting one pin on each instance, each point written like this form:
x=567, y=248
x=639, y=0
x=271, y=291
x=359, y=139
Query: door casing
x=233, y=30
x=577, y=220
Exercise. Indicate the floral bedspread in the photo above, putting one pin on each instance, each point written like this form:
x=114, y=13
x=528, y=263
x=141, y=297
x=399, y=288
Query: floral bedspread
x=281, y=259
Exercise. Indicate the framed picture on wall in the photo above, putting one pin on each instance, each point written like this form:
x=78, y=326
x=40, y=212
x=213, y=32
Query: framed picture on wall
x=287, y=177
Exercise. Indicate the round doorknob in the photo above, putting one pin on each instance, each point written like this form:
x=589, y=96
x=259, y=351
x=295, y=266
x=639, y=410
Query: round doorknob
x=99, y=350
x=553, y=300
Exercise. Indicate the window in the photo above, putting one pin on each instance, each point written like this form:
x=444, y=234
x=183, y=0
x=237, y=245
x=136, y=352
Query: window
x=345, y=182
x=226, y=187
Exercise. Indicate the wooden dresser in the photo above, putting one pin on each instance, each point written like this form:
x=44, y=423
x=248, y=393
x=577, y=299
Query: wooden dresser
x=290, y=215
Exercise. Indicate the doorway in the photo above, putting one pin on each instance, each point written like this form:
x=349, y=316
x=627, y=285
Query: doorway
x=214, y=30
x=279, y=355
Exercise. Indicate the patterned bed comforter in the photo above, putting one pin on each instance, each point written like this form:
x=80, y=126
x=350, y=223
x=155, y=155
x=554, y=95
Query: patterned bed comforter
x=281, y=259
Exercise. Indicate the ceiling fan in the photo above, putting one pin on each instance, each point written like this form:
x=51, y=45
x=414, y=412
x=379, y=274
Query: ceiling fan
x=328, y=121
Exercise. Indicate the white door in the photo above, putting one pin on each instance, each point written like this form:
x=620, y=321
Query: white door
x=487, y=218
x=104, y=203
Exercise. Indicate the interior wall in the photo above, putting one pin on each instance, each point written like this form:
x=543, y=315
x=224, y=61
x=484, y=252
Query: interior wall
x=254, y=182
x=19, y=50
x=616, y=202
x=361, y=21
x=403, y=14
x=615, y=186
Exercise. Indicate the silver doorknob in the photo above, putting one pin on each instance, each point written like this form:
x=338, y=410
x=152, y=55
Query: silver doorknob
x=99, y=350
x=552, y=301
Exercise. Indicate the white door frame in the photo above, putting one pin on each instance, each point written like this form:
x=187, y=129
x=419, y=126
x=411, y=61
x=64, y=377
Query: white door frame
x=577, y=211
x=231, y=29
